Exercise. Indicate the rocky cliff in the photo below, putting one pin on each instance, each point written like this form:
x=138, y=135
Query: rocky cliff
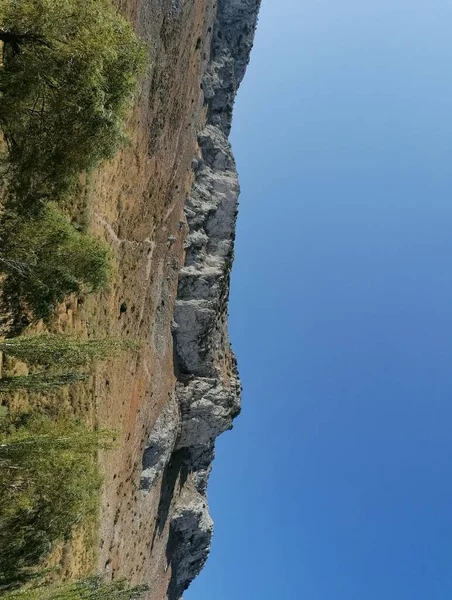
x=208, y=387
x=168, y=207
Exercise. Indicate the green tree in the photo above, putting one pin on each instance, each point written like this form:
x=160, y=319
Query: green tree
x=39, y=382
x=58, y=350
x=67, y=81
x=44, y=258
x=93, y=588
x=48, y=482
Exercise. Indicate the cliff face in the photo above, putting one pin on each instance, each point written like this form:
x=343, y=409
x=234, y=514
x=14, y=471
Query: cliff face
x=168, y=206
x=208, y=389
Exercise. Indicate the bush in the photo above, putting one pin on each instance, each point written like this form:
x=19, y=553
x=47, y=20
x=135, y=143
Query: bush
x=68, y=76
x=59, y=350
x=49, y=482
x=44, y=258
x=88, y=589
x=39, y=382
x=67, y=82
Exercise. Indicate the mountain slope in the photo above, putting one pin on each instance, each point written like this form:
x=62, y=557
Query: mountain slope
x=167, y=206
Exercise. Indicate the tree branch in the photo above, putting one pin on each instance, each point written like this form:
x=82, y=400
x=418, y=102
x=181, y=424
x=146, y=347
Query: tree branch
x=15, y=40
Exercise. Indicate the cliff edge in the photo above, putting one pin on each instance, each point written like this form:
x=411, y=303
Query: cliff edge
x=167, y=205
x=208, y=387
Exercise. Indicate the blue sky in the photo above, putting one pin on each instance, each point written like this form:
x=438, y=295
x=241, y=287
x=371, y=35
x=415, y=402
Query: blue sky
x=336, y=483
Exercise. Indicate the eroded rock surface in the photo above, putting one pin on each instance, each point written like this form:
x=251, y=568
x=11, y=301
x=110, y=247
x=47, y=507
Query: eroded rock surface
x=160, y=445
x=208, y=389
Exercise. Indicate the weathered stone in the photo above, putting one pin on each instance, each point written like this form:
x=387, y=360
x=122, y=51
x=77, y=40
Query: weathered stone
x=208, y=391
x=160, y=445
x=207, y=410
x=191, y=533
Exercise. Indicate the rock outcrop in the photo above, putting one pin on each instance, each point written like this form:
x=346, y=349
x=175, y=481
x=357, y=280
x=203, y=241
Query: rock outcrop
x=207, y=395
x=209, y=389
x=161, y=444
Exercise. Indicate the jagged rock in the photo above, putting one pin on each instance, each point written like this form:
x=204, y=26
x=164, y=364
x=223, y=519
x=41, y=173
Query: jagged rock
x=191, y=531
x=160, y=445
x=211, y=213
x=199, y=461
x=231, y=47
x=207, y=410
x=208, y=391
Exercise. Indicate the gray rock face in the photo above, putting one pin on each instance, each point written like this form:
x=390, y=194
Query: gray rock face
x=211, y=213
x=231, y=47
x=201, y=458
x=190, y=534
x=160, y=446
x=207, y=409
x=207, y=395
x=209, y=389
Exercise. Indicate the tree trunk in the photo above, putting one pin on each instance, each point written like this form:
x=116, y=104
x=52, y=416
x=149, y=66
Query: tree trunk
x=15, y=40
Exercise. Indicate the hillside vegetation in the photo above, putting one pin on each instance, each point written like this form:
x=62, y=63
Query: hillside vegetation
x=69, y=75
x=68, y=78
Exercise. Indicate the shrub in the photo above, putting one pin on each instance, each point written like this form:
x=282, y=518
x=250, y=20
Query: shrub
x=44, y=258
x=88, y=589
x=39, y=382
x=57, y=350
x=67, y=82
x=48, y=481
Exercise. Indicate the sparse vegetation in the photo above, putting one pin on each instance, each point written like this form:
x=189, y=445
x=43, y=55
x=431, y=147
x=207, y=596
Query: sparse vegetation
x=39, y=382
x=89, y=589
x=49, y=482
x=68, y=77
x=58, y=350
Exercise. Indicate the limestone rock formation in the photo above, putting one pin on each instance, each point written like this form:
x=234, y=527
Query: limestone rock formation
x=168, y=206
x=209, y=389
x=160, y=445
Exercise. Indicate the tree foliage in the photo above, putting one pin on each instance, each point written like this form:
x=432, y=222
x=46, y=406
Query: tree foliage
x=48, y=479
x=43, y=258
x=59, y=350
x=68, y=79
x=93, y=588
x=68, y=76
x=39, y=382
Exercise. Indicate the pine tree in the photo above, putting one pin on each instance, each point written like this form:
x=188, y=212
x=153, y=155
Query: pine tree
x=39, y=382
x=43, y=258
x=49, y=481
x=69, y=74
x=62, y=349
x=93, y=588
x=68, y=77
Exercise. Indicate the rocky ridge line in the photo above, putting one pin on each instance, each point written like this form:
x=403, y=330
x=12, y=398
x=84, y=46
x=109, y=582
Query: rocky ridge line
x=207, y=395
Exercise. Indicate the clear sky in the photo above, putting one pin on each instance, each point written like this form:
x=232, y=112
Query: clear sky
x=336, y=483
